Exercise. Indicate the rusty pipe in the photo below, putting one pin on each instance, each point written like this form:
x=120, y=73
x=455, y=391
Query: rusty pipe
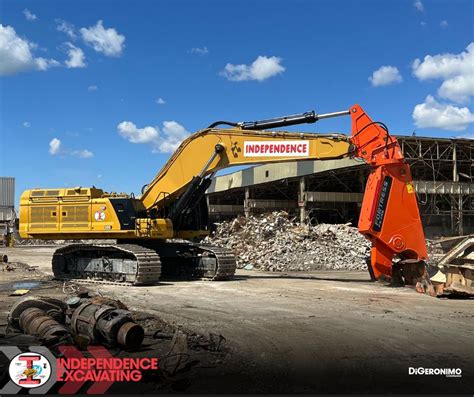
x=34, y=321
x=106, y=324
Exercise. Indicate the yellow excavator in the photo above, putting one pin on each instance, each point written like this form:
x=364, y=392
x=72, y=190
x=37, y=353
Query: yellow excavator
x=153, y=232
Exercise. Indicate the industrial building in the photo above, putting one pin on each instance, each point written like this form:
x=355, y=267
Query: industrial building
x=7, y=206
x=332, y=191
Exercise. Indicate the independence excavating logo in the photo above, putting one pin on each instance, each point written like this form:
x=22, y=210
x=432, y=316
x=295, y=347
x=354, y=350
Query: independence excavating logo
x=30, y=370
x=448, y=372
x=38, y=370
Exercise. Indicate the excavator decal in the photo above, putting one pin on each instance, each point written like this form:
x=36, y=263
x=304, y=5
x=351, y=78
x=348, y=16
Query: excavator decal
x=276, y=149
x=382, y=203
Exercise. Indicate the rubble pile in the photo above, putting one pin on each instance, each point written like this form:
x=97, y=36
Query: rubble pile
x=273, y=242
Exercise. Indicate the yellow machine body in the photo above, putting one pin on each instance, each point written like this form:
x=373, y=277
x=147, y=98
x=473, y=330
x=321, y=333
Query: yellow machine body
x=80, y=213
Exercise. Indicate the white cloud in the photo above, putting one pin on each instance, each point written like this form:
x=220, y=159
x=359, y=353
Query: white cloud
x=26, y=124
x=165, y=141
x=54, y=146
x=444, y=65
x=423, y=24
x=107, y=41
x=92, y=88
x=66, y=27
x=456, y=71
x=419, y=5
x=432, y=114
x=260, y=69
x=444, y=23
x=160, y=101
x=44, y=64
x=82, y=154
x=199, y=50
x=16, y=56
x=173, y=134
x=129, y=131
x=77, y=59
x=459, y=89
x=385, y=75
x=29, y=15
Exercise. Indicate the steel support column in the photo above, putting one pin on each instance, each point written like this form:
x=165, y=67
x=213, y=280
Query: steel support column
x=302, y=200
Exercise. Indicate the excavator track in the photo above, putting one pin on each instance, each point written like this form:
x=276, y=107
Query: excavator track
x=133, y=264
x=191, y=261
x=226, y=263
x=127, y=264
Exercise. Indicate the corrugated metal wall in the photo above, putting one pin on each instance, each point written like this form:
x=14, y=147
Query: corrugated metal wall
x=7, y=214
x=7, y=199
x=7, y=192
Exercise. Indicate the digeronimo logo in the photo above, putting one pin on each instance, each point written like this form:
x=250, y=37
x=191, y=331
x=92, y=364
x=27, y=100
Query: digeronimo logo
x=30, y=370
x=448, y=372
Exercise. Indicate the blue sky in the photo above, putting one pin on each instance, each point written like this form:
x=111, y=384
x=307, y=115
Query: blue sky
x=80, y=99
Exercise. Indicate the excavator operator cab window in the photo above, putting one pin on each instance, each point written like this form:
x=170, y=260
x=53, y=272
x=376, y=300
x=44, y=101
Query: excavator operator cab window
x=154, y=213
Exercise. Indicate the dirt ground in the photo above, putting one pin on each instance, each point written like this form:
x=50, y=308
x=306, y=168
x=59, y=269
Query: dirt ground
x=310, y=332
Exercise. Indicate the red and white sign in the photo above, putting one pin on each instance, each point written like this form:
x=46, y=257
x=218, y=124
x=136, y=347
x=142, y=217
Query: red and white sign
x=99, y=216
x=30, y=370
x=276, y=148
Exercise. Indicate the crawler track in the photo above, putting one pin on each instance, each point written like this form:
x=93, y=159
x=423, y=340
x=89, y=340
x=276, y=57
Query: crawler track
x=133, y=264
x=226, y=263
x=128, y=264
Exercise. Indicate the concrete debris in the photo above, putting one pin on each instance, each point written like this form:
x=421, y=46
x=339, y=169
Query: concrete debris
x=272, y=242
x=248, y=267
x=435, y=251
x=458, y=267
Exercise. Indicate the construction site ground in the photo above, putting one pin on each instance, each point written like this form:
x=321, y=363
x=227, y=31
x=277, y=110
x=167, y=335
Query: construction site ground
x=325, y=331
